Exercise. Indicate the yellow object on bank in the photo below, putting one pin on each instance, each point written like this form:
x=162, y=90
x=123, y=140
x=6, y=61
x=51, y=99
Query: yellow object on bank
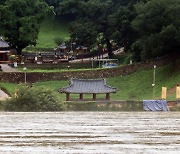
x=164, y=93
x=178, y=92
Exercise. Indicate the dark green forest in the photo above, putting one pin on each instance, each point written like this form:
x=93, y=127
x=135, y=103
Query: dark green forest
x=146, y=28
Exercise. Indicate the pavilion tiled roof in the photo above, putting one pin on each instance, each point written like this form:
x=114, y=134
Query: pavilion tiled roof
x=3, y=44
x=88, y=86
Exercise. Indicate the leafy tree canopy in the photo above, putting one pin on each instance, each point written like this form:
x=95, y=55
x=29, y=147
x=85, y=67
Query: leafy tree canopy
x=157, y=23
x=120, y=21
x=20, y=21
x=54, y=3
x=95, y=17
x=2, y=1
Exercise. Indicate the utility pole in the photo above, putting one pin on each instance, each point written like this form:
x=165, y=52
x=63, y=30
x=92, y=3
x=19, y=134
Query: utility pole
x=25, y=79
x=154, y=82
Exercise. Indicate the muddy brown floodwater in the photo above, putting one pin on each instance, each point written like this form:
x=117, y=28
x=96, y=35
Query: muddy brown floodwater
x=90, y=132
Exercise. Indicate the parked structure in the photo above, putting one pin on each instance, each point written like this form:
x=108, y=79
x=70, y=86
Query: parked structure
x=105, y=63
x=87, y=86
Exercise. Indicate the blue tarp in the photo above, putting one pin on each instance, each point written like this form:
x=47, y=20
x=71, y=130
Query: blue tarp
x=155, y=105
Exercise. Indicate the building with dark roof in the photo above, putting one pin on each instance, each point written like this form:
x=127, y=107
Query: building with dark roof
x=45, y=57
x=88, y=86
x=4, y=50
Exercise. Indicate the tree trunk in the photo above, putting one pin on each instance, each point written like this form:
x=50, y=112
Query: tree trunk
x=109, y=48
x=19, y=51
x=176, y=62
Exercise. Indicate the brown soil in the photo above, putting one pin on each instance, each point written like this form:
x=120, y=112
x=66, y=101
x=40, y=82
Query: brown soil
x=171, y=90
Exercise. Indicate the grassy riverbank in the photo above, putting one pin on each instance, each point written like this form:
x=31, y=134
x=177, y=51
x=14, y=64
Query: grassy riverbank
x=136, y=86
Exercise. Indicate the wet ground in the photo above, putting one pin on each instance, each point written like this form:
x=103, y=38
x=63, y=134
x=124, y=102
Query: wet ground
x=90, y=132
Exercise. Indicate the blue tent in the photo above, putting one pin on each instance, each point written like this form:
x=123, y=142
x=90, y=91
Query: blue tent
x=155, y=105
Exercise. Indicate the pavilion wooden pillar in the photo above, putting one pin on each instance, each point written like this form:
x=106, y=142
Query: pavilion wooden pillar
x=67, y=96
x=94, y=96
x=107, y=96
x=81, y=96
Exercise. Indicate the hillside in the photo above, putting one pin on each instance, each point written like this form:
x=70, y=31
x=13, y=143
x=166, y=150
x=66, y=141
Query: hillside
x=136, y=86
x=52, y=28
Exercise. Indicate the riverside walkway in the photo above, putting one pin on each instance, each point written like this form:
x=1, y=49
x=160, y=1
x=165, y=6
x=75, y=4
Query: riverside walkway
x=7, y=68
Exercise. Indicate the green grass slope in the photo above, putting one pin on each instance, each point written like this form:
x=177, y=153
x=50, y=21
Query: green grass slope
x=136, y=86
x=52, y=28
x=10, y=88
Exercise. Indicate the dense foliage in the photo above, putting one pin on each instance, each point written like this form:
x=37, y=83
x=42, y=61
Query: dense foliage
x=20, y=21
x=158, y=25
x=54, y=3
x=34, y=99
x=148, y=28
x=92, y=19
x=100, y=17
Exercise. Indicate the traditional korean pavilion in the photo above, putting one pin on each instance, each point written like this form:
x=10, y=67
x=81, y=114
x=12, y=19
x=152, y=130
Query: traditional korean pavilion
x=87, y=86
x=4, y=50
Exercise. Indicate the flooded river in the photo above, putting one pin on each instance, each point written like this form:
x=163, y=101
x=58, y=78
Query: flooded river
x=90, y=132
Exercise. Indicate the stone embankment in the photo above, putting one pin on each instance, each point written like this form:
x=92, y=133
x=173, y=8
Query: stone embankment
x=17, y=77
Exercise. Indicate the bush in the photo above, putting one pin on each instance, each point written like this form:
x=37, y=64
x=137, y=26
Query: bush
x=32, y=99
x=1, y=105
x=123, y=59
x=58, y=40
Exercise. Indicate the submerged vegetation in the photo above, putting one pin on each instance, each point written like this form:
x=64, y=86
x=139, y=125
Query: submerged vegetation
x=27, y=98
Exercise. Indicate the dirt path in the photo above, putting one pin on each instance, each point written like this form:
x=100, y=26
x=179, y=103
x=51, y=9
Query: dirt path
x=7, y=68
x=171, y=91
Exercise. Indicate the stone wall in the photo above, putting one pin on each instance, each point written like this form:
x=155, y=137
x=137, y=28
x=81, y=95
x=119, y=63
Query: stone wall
x=115, y=106
x=106, y=106
x=103, y=73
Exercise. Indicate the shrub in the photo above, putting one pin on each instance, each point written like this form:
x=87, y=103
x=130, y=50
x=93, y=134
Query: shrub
x=58, y=40
x=123, y=59
x=1, y=105
x=32, y=99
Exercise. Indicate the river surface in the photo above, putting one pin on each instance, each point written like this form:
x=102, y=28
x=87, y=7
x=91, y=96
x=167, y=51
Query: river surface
x=90, y=132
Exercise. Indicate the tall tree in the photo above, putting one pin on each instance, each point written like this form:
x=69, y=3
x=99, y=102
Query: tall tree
x=92, y=19
x=20, y=21
x=111, y=18
x=2, y=1
x=123, y=33
x=158, y=25
x=54, y=3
